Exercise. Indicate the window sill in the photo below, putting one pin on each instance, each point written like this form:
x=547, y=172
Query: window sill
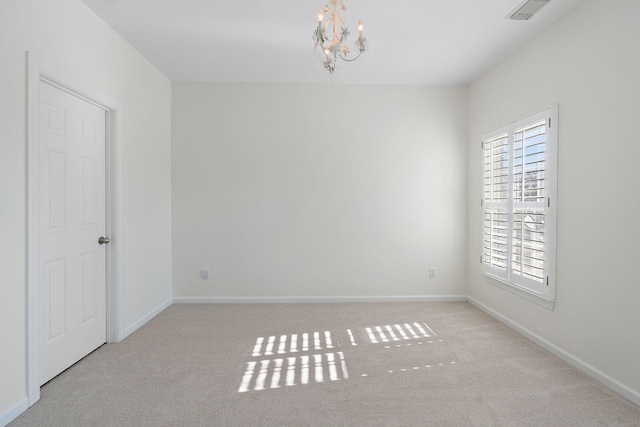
x=521, y=292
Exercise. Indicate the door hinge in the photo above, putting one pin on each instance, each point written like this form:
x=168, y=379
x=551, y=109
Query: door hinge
x=482, y=145
x=547, y=280
x=548, y=202
x=549, y=122
x=480, y=259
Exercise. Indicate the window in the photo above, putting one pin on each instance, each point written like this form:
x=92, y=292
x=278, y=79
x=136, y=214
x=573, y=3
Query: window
x=519, y=204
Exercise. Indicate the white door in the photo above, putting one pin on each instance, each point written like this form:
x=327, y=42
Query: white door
x=72, y=271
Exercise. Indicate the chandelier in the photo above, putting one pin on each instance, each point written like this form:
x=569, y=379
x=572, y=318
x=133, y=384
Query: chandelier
x=331, y=51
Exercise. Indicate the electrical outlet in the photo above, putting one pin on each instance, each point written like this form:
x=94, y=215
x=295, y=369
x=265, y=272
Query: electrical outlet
x=204, y=273
x=432, y=272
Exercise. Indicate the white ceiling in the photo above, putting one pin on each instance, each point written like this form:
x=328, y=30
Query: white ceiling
x=435, y=42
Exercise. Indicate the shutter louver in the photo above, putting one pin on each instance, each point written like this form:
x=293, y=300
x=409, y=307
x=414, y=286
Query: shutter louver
x=529, y=164
x=499, y=169
x=528, y=245
x=496, y=238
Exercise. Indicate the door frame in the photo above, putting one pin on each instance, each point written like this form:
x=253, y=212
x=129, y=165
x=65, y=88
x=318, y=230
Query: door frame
x=39, y=71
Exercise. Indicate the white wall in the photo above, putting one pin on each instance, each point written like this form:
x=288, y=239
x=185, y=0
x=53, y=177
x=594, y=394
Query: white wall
x=68, y=36
x=296, y=190
x=589, y=63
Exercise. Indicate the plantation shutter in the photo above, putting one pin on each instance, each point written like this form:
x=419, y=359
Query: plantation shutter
x=529, y=203
x=518, y=219
x=496, y=197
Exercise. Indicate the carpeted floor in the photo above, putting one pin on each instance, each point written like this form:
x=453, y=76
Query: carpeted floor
x=400, y=364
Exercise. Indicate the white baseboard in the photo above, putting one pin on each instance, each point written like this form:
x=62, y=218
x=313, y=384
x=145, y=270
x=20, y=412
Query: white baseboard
x=289, y=300
x=144, y=319
x=14, y=412
x=604, y=379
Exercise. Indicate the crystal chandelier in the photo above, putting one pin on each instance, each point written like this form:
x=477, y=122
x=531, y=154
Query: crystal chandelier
x=330, y=51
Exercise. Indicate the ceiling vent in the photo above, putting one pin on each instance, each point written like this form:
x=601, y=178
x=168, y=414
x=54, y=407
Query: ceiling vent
x=526, y=10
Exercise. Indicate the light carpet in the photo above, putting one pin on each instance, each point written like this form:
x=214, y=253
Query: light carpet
x=386, y=364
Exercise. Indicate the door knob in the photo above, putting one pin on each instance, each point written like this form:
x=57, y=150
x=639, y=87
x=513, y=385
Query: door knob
x=103, y=240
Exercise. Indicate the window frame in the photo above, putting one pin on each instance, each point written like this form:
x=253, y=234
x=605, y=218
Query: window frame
x=543, y=292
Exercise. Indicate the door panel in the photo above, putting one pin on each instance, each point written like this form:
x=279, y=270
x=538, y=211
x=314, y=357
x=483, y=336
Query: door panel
x=55, y=210
x=72, y=270
x=88, y=195
x=90, y=286
x=55, y=299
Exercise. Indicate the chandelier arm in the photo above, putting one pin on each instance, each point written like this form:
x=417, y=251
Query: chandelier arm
x=344, y=58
